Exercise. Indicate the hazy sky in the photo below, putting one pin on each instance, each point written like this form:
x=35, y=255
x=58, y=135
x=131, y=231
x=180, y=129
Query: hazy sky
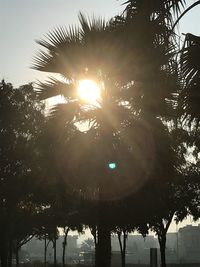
x=24, y=21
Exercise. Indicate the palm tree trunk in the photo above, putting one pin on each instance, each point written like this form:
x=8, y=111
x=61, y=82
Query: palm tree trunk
x=103, y=253
x=10, y=254
x=103, y=249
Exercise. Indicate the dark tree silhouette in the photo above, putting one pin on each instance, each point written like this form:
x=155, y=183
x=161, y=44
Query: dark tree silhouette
x=190, y=67
x=93, y=57
x=132, y=59
x=20, y=121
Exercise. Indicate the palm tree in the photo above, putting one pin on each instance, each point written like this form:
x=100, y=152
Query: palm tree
x=89, y=52
x=131, y=58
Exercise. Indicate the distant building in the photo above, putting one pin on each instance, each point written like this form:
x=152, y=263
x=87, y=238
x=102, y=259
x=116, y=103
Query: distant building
x=171, y=248
x=189, y=244
x=138, y=248
x=182, y=247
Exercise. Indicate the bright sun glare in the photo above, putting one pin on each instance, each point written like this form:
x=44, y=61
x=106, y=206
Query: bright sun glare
x=89, y=91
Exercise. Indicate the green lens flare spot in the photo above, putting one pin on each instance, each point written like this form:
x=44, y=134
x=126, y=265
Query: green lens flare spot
x=112, y=165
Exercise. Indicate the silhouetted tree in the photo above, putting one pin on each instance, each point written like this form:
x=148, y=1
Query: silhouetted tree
x=190, y=113
x=23, y=229
x=101, y=144
x=20, y=122
x=190, y=67
x=132, y=59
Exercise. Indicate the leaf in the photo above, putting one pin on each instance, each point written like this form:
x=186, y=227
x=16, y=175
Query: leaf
x=54, y=87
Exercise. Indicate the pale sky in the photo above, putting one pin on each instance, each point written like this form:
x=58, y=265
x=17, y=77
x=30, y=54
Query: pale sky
x=24, y=21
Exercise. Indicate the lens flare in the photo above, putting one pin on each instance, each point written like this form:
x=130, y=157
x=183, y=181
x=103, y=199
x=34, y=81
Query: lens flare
x=112, y=165
x=89, y=91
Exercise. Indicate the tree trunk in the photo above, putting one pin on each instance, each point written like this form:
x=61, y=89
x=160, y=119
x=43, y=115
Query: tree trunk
x=162, y=243
x=93, y=230
x=103, y=253
x=64, y=245
x=3, y=256
x=122, y=247
x=54, y=253
x=162, y=232
x=46, y=243
x=10, y=254
x=3, y=249
x=45, y=250
x=103, y=250
x=17, y=256
x=123, y=260
x=94, y=233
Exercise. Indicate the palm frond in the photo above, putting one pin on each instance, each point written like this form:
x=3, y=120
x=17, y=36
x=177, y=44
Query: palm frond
x=59, y=38
x=91, y=25
x=185, y=12
x=65, y=112
x=161, y=9
x=63, y=52
x=176, y=5
x=54, y=87
x=190, y=62
x=190, y=66
x=43, y=61
x=70, y=52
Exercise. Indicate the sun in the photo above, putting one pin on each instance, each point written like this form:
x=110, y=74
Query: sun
x=89, y=91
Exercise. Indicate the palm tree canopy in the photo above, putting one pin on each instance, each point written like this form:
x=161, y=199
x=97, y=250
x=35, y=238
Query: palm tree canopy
x=131, y=67
x=190, y=66
x=160, y=8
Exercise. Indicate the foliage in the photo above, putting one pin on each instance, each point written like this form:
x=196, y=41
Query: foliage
x=20, y=123
x=190, y=67
x=133, y=59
